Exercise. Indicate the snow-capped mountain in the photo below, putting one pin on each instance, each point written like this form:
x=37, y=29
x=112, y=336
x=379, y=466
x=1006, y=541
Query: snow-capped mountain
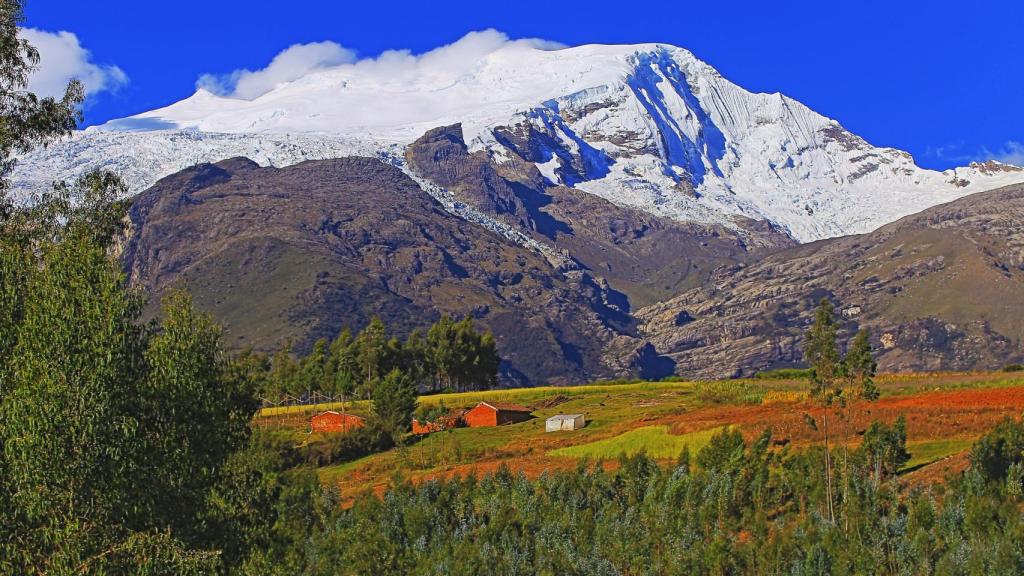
x=645, y=126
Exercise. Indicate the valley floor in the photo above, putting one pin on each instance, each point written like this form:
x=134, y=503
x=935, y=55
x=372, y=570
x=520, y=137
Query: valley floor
x=945, y=413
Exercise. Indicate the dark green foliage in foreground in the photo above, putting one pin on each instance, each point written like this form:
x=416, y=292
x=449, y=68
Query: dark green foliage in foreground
x=740, y=508
x=114, y=432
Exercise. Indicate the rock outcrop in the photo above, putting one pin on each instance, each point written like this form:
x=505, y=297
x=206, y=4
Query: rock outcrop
x=939, y=290
x=302, y=252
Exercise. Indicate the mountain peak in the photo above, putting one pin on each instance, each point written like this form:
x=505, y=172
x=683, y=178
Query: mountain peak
x=646, y=126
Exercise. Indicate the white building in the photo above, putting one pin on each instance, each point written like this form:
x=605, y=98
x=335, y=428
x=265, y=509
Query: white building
x=565, y=422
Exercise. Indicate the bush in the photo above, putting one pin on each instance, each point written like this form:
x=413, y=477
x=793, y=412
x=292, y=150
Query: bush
x=619, y=382
x=723, y=452
x=431, y=412
x=784, y=374
x=997, y=451
x=1013, y=368
x=886, y=447
x=347, y=446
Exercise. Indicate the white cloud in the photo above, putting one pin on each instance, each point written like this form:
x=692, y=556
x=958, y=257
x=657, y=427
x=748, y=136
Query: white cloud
x=958, y=153
x=300, y=60
x=61, y=59
x=1011, y=153
x=293, y=63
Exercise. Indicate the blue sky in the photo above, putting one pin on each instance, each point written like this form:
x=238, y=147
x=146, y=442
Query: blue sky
x=940, y=79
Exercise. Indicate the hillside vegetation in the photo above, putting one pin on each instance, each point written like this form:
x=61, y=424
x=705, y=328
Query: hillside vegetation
x=945, y=413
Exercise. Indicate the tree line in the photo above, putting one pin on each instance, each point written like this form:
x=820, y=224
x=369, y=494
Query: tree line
x=737, y=506
x=451, y=355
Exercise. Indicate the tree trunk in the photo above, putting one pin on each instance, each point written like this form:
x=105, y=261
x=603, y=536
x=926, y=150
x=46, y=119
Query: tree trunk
x=828, y=468
x=846, y=466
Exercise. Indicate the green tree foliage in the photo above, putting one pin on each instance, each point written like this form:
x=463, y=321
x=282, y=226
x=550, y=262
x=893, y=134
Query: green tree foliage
x=284, y=374
x=413, y=358
x=859, y=366
x=267, y=507
x=192, y=394
x=830, y=377
x=724, y=449
x=314, y=368
x=70, y=436
x=737, y=508
x=821, y=352
x=343, y=367
x=822, y=355
x=394, y=402
x=371, y=352
x=461, y=357
x=452, y=355
x=94, y=400
x=996, y=453
x=885, y=448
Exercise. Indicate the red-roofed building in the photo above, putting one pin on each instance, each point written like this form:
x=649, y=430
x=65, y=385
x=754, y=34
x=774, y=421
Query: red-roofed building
x=496, y=414
x=332, y=421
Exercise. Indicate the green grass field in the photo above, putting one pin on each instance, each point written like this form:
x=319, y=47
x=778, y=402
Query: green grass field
x=655, y=441
x=931, y=451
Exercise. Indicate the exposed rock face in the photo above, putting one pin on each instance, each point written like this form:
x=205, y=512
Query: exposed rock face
x=943, y=289
x=643, y=257
x=301, y=252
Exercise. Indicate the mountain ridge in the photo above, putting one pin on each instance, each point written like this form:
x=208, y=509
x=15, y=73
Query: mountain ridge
x=939, y=290
x=302, y=252
x=648, y=127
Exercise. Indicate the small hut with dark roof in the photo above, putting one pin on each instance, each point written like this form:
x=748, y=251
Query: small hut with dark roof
x=496, y=414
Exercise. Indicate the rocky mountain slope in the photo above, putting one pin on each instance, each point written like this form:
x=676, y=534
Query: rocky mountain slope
x=607, y=211
x=302, y=252
x=943, y=289
x=644, y=257
x=646, y=127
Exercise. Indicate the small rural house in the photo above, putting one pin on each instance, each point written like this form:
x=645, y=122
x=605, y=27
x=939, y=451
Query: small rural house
x=332, y=421
x=496, y=414
x=565, y=422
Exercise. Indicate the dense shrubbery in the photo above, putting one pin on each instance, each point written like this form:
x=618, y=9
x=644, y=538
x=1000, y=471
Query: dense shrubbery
x=735, y=507
x=333, y=448
x=785, y=374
